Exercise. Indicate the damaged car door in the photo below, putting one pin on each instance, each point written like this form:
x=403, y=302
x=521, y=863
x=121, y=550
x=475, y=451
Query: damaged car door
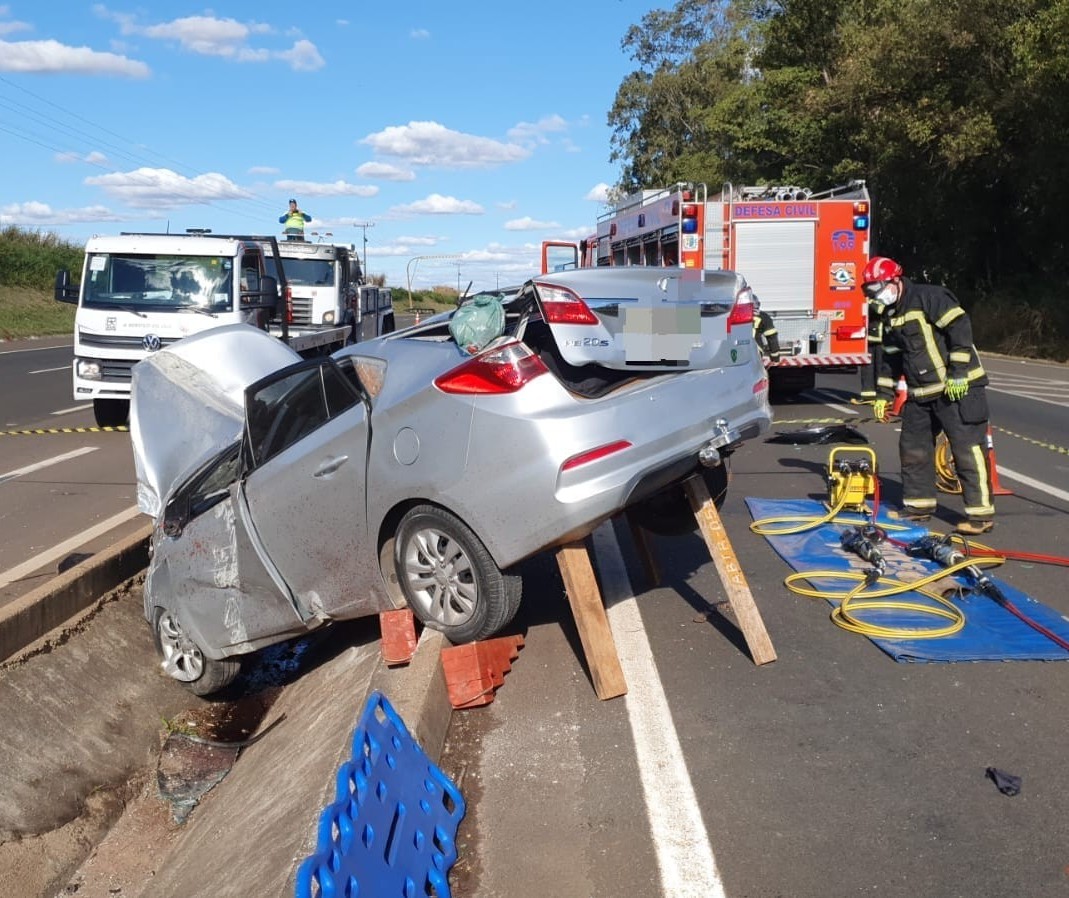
x=302, y=500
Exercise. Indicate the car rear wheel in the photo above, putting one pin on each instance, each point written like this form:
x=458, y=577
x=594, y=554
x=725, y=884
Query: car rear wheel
x=669, y=513
x=184, y=660
x=449, y=578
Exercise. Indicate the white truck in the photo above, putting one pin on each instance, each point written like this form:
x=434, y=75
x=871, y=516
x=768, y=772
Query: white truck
x=327, y=287
x=141, y=292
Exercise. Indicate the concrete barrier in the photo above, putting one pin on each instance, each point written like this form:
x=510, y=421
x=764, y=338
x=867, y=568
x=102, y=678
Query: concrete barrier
x=30, y=617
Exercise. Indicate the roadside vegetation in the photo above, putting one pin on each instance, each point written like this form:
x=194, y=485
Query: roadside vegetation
x=954, y=113
x=29, y=261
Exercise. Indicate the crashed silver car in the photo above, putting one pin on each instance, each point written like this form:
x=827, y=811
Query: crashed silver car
x=288, y=493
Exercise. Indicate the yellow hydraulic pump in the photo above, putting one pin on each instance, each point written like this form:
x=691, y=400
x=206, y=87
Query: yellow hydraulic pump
x=851, y=478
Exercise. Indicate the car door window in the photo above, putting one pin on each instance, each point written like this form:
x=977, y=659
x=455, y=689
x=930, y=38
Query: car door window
x=292, y=404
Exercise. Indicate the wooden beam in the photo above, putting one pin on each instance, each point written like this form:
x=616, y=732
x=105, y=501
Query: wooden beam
x=591, y=620
x=730, y=571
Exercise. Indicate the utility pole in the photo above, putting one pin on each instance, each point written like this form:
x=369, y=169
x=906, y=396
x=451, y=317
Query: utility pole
x=364, y=225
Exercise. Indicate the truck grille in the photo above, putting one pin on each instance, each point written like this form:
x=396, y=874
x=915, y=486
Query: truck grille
x=117, y=341
x=302, y=310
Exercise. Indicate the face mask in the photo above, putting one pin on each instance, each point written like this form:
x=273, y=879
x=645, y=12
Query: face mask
x=887, y=297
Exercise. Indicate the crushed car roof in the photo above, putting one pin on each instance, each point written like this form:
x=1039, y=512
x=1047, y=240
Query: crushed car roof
x=188, y=400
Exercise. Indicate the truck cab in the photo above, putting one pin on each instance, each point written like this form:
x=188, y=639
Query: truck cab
x=141, y=292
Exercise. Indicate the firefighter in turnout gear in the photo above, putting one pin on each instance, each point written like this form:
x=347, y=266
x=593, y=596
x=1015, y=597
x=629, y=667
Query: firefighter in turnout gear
x=927, y=338
x=764, y=332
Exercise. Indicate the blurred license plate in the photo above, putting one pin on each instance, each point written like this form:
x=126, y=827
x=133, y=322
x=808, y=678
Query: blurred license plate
x=661, y=335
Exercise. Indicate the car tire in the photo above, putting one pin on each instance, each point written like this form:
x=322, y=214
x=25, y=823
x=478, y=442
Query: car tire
x=111, y=412
x=668, y=513
x=185, y=661
x=449, y=579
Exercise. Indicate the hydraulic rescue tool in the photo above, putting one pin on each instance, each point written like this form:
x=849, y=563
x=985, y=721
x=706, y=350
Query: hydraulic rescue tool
x=851, y=480
x=943, y=552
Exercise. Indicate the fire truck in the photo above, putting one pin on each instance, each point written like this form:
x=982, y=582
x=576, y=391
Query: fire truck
x=801, y=252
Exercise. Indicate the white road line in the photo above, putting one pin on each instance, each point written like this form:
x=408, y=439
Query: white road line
x=66, y=547
x=1035, y=484
x=50, y=370
x=71, y=410
x=684, y=855
x=36, y=349
x=47, y=463
x=1020, y=395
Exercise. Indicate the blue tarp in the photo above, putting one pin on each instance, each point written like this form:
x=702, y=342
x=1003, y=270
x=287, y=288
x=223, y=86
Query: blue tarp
x=991, y=633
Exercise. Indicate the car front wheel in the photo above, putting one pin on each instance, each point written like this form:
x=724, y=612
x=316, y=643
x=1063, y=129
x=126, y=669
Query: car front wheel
x=184, y=660
x=449, y=578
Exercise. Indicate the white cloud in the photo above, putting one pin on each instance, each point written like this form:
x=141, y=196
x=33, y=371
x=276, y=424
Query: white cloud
x=383, y=171
x=263, y=170
x=579, y=233
x=429, y=143
x=529, y=133
x=92, y=158
x=336, y=188
x=599, y=193
x=52, y=56
x=148, y=188
x=419, y=241
x=13, y=26
x=225, y=38
x=419, y=34
x=436, y=204
x=34, y=213
x=530, y=224
x=511, y=204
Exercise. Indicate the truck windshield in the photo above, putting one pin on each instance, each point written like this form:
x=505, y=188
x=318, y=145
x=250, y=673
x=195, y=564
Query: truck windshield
x=305, y=272
x=158, y=282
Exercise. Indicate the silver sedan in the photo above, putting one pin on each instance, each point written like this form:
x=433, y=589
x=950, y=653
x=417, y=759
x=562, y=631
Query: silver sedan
x=409, y=471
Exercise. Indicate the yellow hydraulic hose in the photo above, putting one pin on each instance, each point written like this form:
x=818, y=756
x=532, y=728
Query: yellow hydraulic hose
x=946, y=474
x=859, y=598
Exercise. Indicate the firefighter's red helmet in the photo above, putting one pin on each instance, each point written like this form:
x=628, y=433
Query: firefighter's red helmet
x=880, y=268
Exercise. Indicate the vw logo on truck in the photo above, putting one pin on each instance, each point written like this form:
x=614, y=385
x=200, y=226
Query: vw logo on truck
x=151, y=343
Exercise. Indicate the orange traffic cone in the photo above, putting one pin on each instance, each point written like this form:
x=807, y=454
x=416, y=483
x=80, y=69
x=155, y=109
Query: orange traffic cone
x=901, y=395
x=997, y=489
x=417, y=316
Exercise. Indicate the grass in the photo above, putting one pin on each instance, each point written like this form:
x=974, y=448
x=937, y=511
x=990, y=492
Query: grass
x=32, y=312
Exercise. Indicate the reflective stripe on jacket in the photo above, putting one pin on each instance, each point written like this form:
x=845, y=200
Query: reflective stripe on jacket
x=928, y=339
x=766, y=335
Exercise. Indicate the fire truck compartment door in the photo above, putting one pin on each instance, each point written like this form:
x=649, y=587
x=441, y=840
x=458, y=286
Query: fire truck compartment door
x=778, y=258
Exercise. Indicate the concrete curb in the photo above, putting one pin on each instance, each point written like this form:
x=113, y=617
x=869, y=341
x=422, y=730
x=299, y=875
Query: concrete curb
x=29, y=617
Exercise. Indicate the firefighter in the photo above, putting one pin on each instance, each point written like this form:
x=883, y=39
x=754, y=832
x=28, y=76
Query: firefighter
x=764, y=332
x=293, y=221
x=927, y=338
x=870, y=372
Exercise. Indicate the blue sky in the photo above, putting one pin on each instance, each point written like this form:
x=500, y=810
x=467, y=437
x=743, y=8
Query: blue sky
x=466, y=129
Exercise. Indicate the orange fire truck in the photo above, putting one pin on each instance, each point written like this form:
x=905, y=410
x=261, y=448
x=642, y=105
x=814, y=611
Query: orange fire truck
x=801, y=252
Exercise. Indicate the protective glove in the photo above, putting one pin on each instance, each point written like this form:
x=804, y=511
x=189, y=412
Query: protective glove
x=956, y=388
x=879, y=409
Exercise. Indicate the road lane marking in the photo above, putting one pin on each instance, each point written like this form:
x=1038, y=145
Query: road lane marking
x=47, y=463
x=684, y=855
x=66, y=547
x=50, y=370
x=72, y=409
x=37, y=349
x=1035, y=484
x=1029, y=395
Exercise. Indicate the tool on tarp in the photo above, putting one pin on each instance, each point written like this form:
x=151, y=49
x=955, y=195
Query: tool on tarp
x=851, y=478
x=942, y=551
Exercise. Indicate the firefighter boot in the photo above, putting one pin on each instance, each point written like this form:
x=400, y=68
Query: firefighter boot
x=975, y=526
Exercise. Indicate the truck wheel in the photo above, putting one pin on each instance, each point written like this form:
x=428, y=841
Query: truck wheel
x=111, y=412
x=184, y=660
x=449, y=579
x=668, y=513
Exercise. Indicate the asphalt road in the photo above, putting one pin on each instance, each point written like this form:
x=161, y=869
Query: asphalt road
x=833, y=771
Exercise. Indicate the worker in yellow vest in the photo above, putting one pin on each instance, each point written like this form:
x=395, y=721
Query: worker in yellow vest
x=293, y=221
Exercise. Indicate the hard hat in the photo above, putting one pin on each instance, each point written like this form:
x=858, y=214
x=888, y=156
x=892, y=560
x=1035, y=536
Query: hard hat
x=879, y=269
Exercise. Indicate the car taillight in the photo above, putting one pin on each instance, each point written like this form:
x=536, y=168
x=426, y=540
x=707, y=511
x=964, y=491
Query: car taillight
x=505, y=369
x=585, y=458
x=561, y=306
x=742, y=311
